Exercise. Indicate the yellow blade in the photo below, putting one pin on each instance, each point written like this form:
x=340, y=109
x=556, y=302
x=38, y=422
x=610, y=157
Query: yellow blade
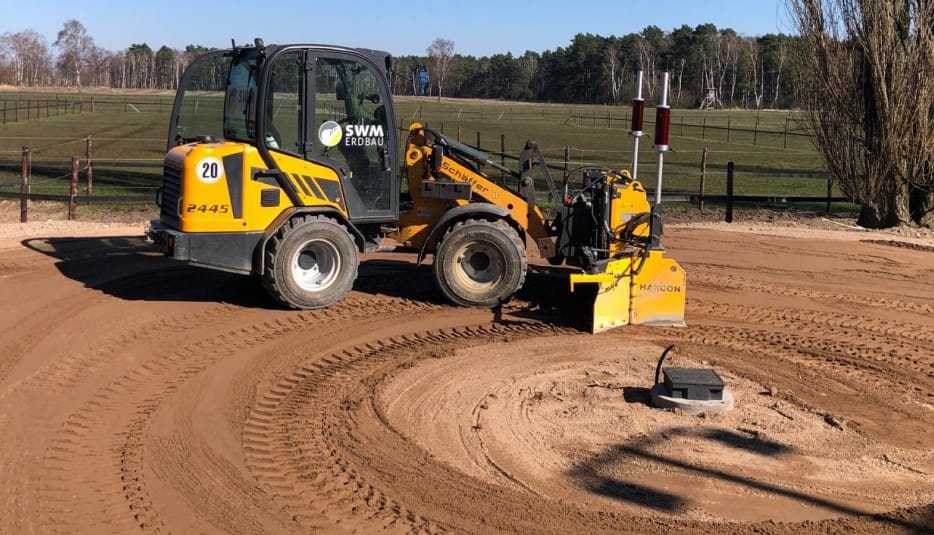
x=658, y=292
x=609, y=291
x=611, y=306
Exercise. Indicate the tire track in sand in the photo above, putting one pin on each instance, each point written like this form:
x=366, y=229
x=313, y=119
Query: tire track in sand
x=121, y=411
x=735, y=282
x=295, y=437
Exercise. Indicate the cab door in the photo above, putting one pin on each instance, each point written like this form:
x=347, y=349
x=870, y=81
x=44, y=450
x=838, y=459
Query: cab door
x=350, y=125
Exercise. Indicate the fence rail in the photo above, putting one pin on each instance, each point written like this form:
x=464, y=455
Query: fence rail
x=14, y=111
x=88, y=164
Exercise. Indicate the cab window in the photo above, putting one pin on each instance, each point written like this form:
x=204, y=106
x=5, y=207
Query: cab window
x=284, y=103
x=351, y=127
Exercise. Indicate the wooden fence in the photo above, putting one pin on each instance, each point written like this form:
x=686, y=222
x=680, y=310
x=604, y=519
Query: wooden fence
x=87, y=163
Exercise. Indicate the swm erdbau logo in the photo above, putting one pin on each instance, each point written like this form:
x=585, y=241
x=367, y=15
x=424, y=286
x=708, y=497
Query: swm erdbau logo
x=331, y=133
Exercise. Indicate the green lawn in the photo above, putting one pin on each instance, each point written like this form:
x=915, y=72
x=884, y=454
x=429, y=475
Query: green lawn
x=133, y=127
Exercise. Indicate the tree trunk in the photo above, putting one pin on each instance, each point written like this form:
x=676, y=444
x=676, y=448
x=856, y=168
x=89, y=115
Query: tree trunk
x=870, y=217
x=922, y=207
x=896, y=211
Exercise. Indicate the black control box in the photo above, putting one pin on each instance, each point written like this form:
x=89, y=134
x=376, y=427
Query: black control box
x=699, y=384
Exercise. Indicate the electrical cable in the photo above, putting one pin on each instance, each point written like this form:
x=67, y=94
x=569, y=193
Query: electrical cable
x=658, y=368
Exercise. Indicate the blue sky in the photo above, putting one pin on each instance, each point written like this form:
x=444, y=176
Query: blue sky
x=477, y=27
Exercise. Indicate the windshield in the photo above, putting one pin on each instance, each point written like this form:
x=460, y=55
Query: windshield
x=241, y=95
x=216, y=98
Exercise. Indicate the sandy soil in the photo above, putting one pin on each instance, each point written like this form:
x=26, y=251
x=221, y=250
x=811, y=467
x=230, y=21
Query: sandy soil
x=141, y=395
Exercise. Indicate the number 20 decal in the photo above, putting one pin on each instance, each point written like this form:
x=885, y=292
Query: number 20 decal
x=209, y=170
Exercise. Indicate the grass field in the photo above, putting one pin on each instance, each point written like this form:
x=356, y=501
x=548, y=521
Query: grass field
x=132, y=128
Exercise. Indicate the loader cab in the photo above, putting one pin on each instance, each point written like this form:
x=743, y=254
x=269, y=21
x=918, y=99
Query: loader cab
x=299, y=105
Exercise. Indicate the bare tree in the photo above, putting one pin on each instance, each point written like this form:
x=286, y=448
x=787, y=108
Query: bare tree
x=869, y=86
x=614, y=69
x=732, y=46
x=98, y=66
x=29, y=57
x=74, y=45
x=779, y=68
x=440, y=58
x=647, y=57
x=755, y=75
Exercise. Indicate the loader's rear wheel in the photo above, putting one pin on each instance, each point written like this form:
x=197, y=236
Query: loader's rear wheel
x=480, y=263
x=310, y=263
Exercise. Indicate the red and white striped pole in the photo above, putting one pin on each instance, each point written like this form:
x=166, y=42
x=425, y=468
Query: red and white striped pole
x=635, y=130
x=662, y=128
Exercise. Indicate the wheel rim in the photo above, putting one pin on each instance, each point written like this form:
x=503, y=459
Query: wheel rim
x=316, y=265
x=480, y=266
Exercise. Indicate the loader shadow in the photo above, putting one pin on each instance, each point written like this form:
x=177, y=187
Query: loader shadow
x=130, y=268
x=599, y=474
x=400, y=279
x=544, y=296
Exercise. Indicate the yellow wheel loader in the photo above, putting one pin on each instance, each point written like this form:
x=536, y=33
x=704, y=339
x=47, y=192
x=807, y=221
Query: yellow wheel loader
x=283, y=162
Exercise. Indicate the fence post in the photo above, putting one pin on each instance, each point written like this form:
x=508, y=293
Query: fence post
x=72, y=197
x=478, y=140
x=786, y=131
x=703, y=179
x=567, y=161
x=704, y=129
x=24, y=188
x=829, y=192
x=729, y=191
x=502, y=149
x=88, y=153
x=458, y=132
x=609, y=121
x=729, y=129
x=92, y=104
x=442, y=127
x=755, y=135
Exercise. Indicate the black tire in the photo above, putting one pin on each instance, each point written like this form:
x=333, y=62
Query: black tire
x=480, y=263
x=311, y=262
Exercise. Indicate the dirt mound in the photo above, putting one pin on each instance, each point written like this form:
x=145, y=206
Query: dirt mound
x=568, y=420
x=137, y=394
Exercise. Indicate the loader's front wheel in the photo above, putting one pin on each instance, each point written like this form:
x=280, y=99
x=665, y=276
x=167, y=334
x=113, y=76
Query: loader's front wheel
x=480, y=263
x=311, y=262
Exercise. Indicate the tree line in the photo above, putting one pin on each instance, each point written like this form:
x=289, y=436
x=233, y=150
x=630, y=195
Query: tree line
x=75, y=60
x=709, y=66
